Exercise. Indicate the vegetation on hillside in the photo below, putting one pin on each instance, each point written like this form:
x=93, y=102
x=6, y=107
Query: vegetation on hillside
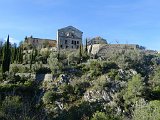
x=76, y=85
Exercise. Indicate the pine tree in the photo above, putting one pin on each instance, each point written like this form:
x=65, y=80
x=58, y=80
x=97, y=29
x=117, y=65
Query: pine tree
x=6, y=56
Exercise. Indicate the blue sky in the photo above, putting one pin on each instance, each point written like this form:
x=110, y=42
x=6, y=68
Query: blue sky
x=124, y=21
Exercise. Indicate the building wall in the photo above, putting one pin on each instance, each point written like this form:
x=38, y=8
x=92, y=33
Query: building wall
x=117, y=48
x=38, y=42
x=97, y=40
x=69, y=38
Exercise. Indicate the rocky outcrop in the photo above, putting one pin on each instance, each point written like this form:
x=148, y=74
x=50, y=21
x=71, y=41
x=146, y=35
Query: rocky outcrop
x=63, y=79
x=109, y=94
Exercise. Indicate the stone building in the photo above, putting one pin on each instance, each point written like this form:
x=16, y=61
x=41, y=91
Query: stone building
x=97, y=40
x=69, y=38
x=40, y=43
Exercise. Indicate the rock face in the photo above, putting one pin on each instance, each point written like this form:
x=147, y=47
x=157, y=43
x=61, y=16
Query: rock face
x=109, y=93
x=95, y=48
x=105, y=94
x=48, y=77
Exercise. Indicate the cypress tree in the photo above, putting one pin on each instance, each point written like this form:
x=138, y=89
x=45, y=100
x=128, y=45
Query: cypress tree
x=6, y=57
x=17, y=55
x=58, y=55
x=35, y=54
x=13, y=51
x=86, y=49
x=21, y=54
x=12, y=58
x=80, y=53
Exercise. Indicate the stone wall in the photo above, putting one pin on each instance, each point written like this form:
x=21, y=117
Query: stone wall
x=107, y=49
x=40, y=43
x=69, y=38
x=97, y=40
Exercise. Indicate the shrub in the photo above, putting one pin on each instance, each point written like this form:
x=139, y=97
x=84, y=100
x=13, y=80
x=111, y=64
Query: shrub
x=134, y=90
x=11, y=107
x=14, y=68
x=95, y=68
x=102, y=116
x=49, y=97
x=55, y=65
x=148, y=111
x=112, y=74
x=100, y=83
x=81, y=87
x=108, y=65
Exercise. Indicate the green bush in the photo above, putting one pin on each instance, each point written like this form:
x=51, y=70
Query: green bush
x=95, y=68
x=11, y=107
x=14, y=69
x=81, y=87
x=106, y=66
x=112, y=74
x=150, y=111
x=49, y=97
x=134, y=90
x=102, y=116
x=55, y=65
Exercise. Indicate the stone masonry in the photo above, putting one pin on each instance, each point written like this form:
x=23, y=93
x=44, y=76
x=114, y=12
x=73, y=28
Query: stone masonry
x=69, y=38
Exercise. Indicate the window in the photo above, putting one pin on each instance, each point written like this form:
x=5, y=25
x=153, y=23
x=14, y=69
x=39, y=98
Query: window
x=65, y=41
x=66, y=46
x=72, y=46
x=77, y=42
x=61, y=46
x=72, y=42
